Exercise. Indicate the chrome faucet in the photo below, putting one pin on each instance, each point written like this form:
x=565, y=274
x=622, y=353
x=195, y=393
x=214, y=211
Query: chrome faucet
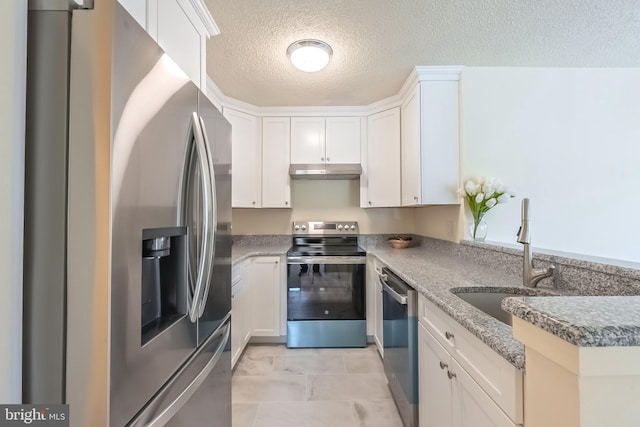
x=530, y=276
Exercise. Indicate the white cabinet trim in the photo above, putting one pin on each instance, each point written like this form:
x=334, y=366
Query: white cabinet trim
x=205, y=17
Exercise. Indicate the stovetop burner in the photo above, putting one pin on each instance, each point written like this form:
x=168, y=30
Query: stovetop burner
x=317, y=238
x=326, y=251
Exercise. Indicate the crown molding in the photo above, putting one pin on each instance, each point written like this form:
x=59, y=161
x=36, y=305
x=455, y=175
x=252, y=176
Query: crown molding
x=417, y=75
x=440, y=72
x=312, y=111
x=205, y=16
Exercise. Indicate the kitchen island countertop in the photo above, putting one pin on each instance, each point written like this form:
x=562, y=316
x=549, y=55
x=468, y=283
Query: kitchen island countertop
x=584, y=321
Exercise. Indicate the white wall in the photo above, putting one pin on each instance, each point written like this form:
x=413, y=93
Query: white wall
x=569, y=139
x=13, y=17
x=323, y=200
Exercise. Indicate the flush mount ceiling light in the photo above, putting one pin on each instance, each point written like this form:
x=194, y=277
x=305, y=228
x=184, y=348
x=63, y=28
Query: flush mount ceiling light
x=309, y=55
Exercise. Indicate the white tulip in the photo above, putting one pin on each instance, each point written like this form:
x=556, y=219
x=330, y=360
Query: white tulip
x=471, y=188
x=488, y=191
x=479, y=197
x=504, y=198
x=491, y=203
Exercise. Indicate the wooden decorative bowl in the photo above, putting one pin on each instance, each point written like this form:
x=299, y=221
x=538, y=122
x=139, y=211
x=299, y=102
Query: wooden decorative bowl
x=399, y=243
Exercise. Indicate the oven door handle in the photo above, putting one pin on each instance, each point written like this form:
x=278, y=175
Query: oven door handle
x=326, y=260
x=401, y=299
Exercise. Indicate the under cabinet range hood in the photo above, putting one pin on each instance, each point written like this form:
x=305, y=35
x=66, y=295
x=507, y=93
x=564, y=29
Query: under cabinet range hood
x=325, y=171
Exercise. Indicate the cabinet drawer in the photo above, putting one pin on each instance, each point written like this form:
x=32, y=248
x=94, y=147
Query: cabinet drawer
x=497, y=377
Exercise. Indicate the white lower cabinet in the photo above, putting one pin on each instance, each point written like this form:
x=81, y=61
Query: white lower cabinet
x=448, y=394
x=241, y=326
x=374, y=303
x=463, y=383
x=265, y=296
x=435, y=387
x=475, y=407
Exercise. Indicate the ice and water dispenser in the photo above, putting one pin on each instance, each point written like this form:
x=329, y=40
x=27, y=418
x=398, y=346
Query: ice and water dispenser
x=164, y=279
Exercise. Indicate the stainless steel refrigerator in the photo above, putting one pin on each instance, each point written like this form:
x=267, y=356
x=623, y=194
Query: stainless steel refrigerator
x=127, y=287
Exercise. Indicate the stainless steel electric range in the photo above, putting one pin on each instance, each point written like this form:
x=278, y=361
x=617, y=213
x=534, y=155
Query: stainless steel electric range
x=326, y=286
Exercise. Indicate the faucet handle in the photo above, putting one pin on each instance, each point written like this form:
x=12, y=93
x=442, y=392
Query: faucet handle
x=525, y=209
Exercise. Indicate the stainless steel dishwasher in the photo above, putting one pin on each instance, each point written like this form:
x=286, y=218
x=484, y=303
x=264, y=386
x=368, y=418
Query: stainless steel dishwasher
x=400, y=337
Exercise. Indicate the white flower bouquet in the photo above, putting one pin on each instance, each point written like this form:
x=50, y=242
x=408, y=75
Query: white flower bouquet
x=482, y=195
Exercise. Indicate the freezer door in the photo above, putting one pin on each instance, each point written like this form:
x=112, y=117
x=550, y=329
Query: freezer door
x=217, y=298
x=153, y=103
x=200, y=393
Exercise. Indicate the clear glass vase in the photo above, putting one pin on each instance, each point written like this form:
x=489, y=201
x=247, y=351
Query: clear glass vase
x=478, y=230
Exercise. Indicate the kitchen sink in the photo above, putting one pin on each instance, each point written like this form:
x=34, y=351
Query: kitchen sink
x=489, y=300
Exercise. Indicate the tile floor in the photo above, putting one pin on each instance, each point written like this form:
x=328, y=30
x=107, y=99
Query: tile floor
x=274, y=386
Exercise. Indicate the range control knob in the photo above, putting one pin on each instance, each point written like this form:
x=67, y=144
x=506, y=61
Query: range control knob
x=297, y=227
x=304, y=227
x=353, y=227
x=340, y=227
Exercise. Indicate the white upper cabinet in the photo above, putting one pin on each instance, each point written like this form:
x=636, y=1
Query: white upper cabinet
x=343, y=140
x=320, y=140
x=137, y=9
x=381, y=184
x=180, y=39
x=181, y=28
x=276, y=182
x=246, y=159
x=430, y=140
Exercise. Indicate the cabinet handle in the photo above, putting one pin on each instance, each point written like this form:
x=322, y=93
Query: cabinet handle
x=328, y=159
x=448, y=335
x=370, y=203
x=415, y=198
x=451, y=375
x=322, y=159
x=443, y=365
x=253, y=203
x=286, y=203
x=276, y=262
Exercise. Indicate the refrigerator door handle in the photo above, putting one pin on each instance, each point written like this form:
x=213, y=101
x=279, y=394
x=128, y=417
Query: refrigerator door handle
x=203, y=267
x=213, y=218
x=159, y=411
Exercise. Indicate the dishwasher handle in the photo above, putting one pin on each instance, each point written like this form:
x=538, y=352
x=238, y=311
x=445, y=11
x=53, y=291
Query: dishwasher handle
x=401, y=299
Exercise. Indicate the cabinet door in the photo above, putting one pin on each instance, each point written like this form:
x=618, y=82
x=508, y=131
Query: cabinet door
x=378, y=325
x=383, y=159
x=246, y=159
x=435, y=387
x=180, y=38
x=473, y=407
x=410, y=149
x=238, y=315
x=276, y=182
x=265, y=296
x=343, y=140
x=439, y=139
x=307, y=140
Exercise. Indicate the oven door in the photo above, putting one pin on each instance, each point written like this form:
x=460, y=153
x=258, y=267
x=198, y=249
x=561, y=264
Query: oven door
x=326, y=301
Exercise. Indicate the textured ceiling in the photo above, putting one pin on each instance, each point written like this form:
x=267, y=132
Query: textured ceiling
x=376, y=43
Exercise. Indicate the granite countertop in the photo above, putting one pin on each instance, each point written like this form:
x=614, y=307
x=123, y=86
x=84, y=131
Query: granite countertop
x=438, y=271
x=585, y=321
x=435, y=274
x=259, y=247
